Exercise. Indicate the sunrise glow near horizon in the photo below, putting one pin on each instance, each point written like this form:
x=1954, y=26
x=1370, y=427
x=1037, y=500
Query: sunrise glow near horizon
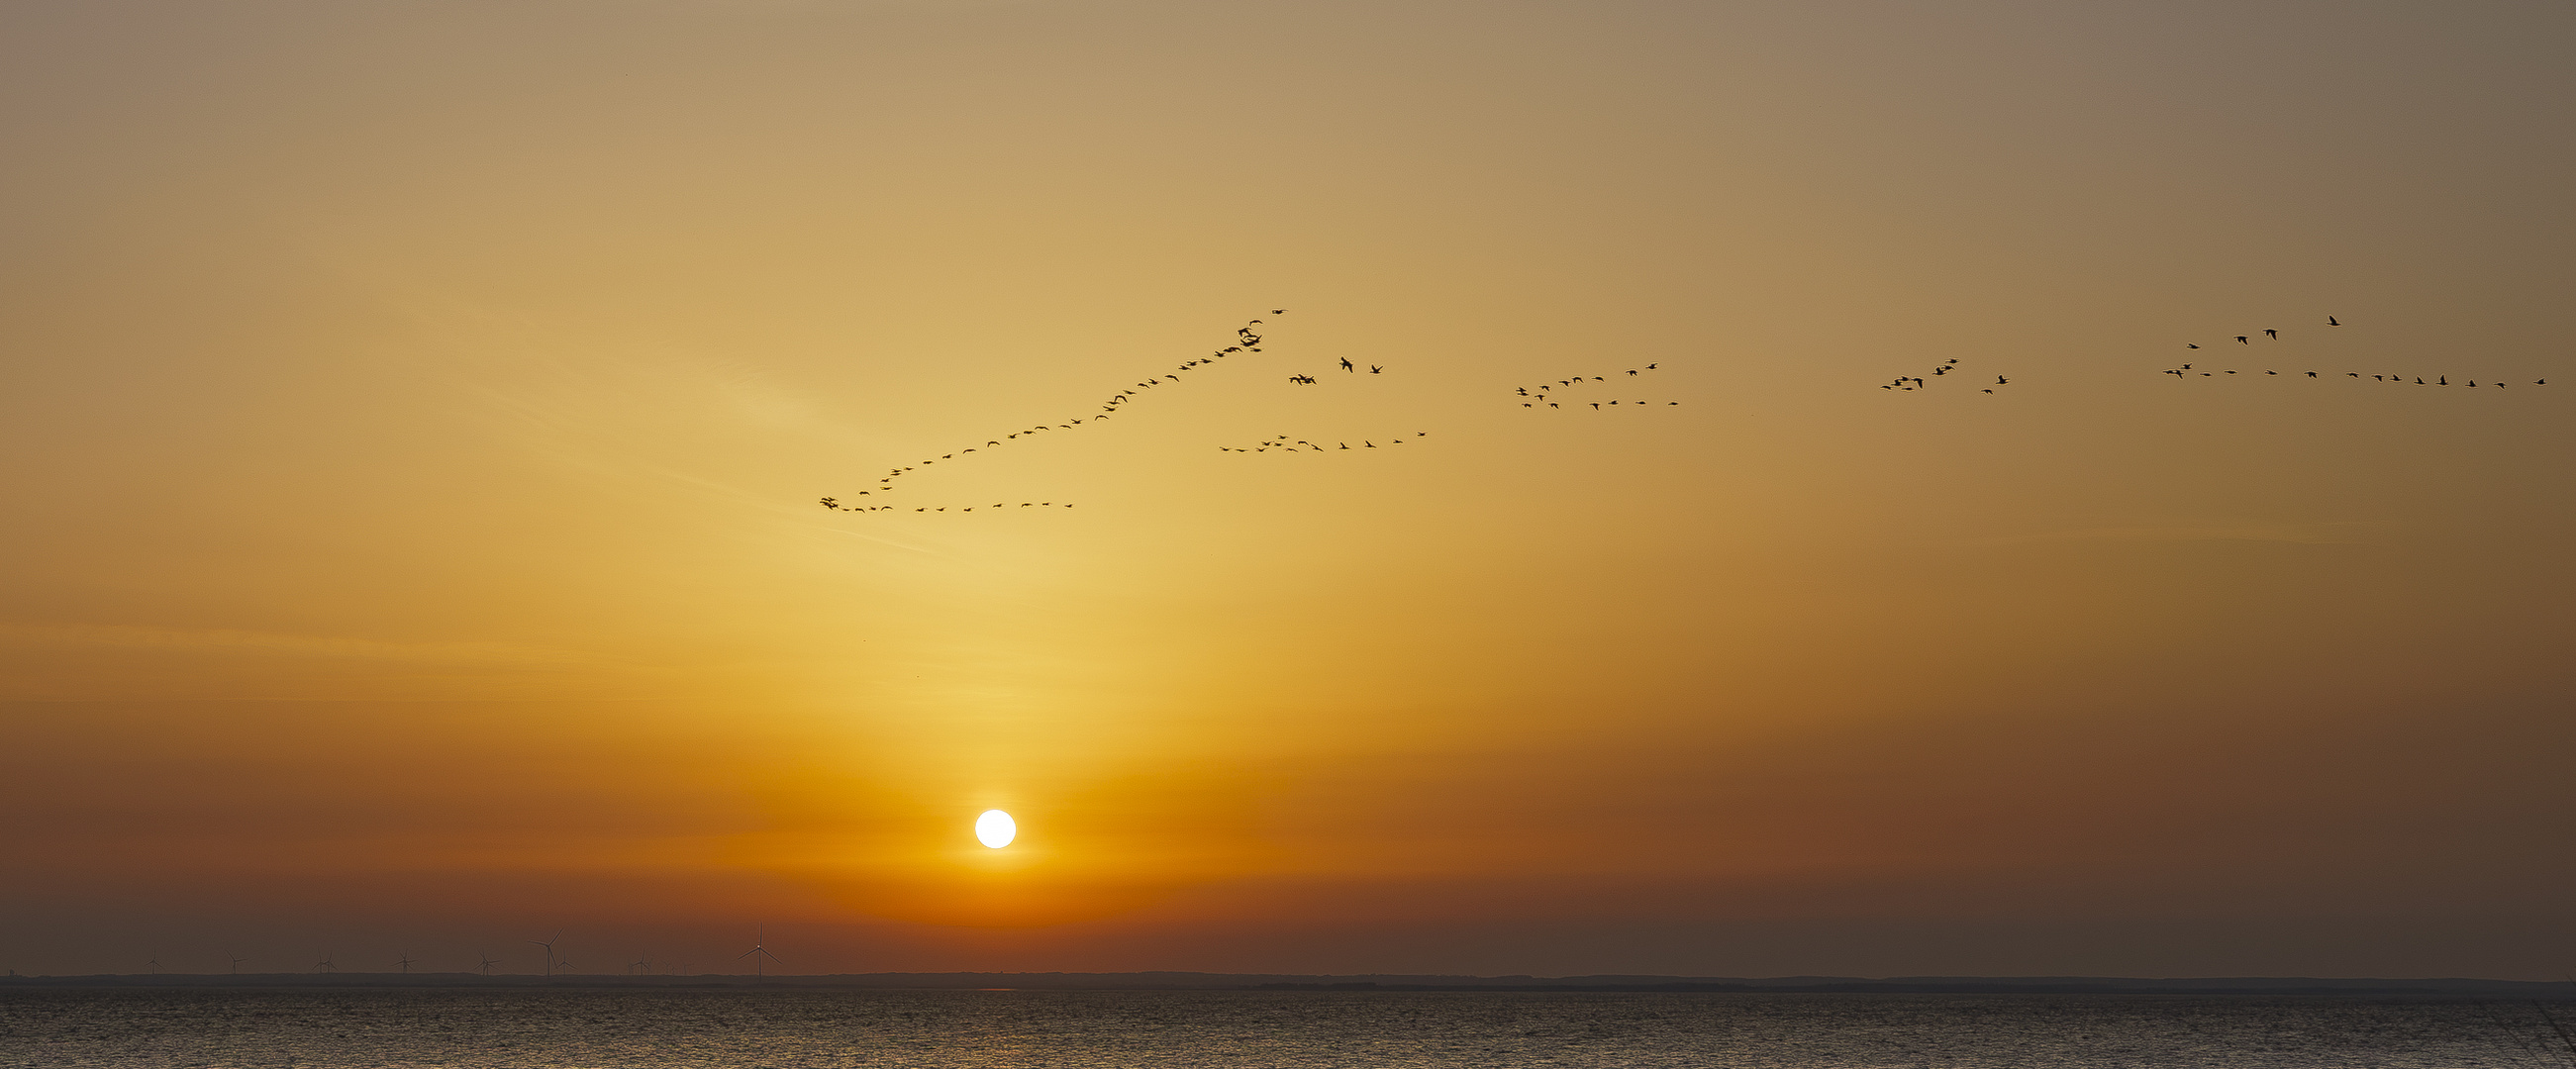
x=1638, y=488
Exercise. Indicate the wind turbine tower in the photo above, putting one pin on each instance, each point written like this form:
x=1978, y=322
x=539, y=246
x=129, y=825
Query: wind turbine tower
x=760, y=957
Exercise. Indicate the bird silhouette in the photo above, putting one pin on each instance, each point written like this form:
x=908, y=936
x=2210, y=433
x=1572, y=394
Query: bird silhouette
x=2272, y=334
x=1346, y=363
x=2187, y=346
x=1376, y=370
x=2330, y=321
x=2000, y=380
x=2240, y=340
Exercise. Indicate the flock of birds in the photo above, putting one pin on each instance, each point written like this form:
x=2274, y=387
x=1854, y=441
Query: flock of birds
x=1347, y=368
x=1283, y=444
x=1247, y=340
x=1571, y=392
x=1941, y=370
x=1905, y=383
x=2187, y=370
x=1544, y=397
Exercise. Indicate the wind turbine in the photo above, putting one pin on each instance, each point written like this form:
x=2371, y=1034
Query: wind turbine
x=641, y=964
x=404, y=964
x=155, y=963
x=237, y=960
x=760, y=957
x=488, y=963
x=550, y=952
x=325, y=965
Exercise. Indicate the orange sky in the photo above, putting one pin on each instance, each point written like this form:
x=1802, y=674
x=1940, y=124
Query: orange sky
x=417, y=413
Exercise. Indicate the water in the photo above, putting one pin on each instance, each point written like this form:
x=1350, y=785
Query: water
x=1008, y=1029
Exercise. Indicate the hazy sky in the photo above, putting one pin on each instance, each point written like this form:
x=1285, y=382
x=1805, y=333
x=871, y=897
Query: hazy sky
x=416, y=415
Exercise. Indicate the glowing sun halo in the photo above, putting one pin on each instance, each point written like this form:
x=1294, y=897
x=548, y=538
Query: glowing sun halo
x=995, y=829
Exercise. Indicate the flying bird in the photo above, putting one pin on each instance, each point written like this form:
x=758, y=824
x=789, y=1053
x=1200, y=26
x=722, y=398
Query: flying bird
x=2240, y=340
x=2330, y=321
x=2272, y=334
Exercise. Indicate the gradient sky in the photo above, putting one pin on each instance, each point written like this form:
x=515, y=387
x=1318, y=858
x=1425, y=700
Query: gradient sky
x=416, y=413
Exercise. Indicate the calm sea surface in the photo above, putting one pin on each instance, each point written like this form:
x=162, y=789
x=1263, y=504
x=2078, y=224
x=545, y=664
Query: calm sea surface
x=980, y=1029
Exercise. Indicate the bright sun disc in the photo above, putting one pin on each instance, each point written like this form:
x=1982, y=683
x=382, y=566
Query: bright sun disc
x=995, y=829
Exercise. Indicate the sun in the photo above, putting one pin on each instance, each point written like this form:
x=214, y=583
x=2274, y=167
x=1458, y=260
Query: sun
x=995, y=829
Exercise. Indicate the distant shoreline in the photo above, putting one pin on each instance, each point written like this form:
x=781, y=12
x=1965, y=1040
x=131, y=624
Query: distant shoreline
x=2449, y=987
